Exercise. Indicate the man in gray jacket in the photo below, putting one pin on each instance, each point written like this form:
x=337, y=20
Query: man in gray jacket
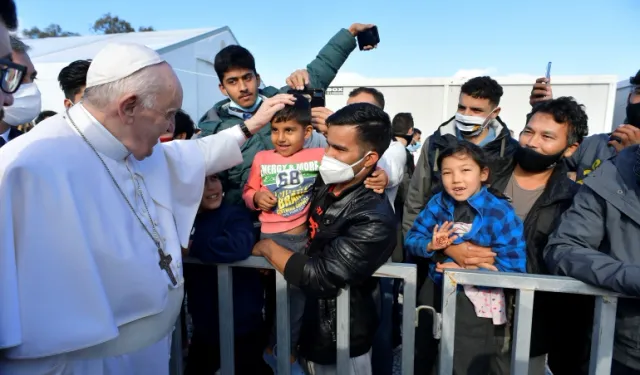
x=596, y=243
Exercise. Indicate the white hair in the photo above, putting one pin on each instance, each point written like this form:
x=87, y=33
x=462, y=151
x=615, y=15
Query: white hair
x=145, y=83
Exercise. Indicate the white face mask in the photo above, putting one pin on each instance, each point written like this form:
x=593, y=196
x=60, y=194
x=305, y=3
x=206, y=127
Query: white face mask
x=472, y=125
x=334, y=171
x=26, y=105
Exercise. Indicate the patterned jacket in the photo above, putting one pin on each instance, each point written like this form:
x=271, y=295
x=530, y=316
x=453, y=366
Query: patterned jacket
x=496, y=225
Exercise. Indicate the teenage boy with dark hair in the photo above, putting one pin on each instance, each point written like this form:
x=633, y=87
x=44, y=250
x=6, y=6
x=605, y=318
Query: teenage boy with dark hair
x=240, y=82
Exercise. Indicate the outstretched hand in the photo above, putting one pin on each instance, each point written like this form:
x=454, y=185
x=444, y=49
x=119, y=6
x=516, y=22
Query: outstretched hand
x=299, y=79
x=442, y=237
x=267, y=109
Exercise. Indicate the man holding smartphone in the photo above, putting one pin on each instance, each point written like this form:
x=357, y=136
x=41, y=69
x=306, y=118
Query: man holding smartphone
x=599, y=147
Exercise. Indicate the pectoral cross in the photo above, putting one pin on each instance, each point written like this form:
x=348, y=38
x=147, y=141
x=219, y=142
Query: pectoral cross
x=165, y=265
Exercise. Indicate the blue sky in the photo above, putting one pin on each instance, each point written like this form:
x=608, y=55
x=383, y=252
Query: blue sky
x=420, y=38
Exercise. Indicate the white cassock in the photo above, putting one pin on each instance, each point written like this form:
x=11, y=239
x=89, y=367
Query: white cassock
x=81, y=291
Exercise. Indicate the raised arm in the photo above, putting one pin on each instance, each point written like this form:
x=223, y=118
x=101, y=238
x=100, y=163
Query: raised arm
x=221, y=151
x=573, y=249
x=323, y=69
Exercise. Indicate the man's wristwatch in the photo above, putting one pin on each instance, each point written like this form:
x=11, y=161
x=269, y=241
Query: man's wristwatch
x=245, y=130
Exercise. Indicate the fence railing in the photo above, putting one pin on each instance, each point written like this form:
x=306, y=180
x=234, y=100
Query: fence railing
x=407, y=272
x=525, y=285
x=444, y=323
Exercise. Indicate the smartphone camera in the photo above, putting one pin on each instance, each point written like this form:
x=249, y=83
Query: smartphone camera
x=368, y=38
x=314, y=96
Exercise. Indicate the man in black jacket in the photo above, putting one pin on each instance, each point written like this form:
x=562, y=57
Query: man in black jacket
x=352, y=233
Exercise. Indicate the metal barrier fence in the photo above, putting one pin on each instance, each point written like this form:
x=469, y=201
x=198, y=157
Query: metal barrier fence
x=526, y=285
x=407, y=272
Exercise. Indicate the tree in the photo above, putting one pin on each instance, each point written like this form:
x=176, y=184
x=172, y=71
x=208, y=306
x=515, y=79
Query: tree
x=50, y=31
x=106, y=24
x=109, y=24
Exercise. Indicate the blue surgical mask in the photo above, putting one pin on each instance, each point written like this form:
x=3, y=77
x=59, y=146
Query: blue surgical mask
x=242, y=112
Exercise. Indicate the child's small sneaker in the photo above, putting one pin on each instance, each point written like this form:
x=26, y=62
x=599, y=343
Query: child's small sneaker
x=272, y=361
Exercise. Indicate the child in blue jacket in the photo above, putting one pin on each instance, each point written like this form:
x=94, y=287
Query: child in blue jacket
x=467, y=211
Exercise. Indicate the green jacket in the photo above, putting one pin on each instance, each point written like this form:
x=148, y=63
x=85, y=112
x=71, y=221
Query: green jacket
x=322, y=70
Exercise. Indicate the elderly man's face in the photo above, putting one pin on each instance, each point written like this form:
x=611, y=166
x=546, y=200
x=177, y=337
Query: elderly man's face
x=151, y=123
x=5, y=54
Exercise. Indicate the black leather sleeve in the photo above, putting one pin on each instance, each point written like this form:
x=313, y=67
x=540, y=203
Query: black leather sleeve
x=351, y=258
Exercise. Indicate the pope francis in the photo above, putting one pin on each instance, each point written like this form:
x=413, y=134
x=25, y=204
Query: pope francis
x=93, y=214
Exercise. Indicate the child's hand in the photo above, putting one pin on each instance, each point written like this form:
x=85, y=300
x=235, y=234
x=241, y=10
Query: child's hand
x=378, y=181
x=442, y=237
x=265, y=200
x=440, y=267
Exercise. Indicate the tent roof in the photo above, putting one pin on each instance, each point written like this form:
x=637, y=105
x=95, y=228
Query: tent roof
x=65, y=49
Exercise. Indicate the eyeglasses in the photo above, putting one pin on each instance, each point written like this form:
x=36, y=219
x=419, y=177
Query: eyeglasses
x=11, y=75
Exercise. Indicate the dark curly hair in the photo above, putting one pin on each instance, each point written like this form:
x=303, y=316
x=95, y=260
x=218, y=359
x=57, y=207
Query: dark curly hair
x=483, y=88
x=565, y=110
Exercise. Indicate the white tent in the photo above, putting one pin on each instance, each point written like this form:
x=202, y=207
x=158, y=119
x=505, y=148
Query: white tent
x=190, y=52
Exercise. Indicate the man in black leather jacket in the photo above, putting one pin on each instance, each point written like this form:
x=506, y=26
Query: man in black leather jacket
x=352, y=232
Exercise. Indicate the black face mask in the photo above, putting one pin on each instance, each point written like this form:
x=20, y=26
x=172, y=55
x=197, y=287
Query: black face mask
x=633, y=114
x=533, y=161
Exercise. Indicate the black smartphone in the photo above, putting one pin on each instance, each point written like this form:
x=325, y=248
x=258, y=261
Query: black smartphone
x=368, y=38
x=315, y=96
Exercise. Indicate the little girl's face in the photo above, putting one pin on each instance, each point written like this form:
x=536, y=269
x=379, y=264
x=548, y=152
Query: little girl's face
x=462, y=177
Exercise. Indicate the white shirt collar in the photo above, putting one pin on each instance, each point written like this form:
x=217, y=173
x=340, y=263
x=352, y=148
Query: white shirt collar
x=103, y=141
x=5, y=135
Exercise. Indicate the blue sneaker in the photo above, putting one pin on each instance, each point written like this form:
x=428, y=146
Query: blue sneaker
x=272, y=361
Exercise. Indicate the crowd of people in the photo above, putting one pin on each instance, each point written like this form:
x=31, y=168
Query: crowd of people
x=117, y=208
